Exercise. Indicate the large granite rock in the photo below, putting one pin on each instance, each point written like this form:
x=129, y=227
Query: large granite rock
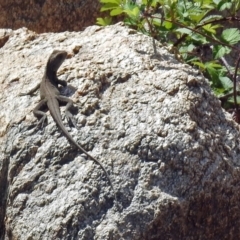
x=172, y=152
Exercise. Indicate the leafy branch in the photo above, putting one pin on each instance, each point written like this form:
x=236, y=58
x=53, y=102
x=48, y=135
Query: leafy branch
x=195, y=30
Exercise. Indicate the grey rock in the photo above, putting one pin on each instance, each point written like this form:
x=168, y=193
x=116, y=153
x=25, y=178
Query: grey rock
x=171, y=151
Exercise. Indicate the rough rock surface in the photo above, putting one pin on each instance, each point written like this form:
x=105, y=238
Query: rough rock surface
x=170, y=149
x=49, y=15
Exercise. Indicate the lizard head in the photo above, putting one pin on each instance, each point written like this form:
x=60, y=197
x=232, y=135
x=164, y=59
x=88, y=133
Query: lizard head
x=56, y=59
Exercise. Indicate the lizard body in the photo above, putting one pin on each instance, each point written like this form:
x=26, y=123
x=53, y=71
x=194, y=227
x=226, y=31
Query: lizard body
x=51, y=97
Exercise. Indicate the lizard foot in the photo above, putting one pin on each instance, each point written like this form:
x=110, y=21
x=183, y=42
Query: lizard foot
x=41, y=122
x=71, y=119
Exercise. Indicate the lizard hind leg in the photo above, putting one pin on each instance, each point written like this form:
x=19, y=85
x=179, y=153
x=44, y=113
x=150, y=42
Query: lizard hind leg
x=40, y=114
x=69, y=106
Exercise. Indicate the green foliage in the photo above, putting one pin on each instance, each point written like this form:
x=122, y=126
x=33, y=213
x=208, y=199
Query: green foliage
x=191, y=27
x=231, y=36
x=104, y=21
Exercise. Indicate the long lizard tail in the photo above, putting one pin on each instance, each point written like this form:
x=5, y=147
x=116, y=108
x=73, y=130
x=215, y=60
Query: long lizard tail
x=55, y=112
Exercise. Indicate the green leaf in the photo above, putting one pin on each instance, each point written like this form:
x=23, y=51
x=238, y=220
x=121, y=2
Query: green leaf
x=116, y=11
x=206, y=4
x=237, y=5
x=191, y=47
x=184, y=31
x=185, y=15
x=213, y=64
x=219, y=91
x=226, y=83
x=108, y=6
x=211, y=28
x=199, y=64
x=224, y=5
x=231, y=35
x=212, y=71
x=154, y=3
x=116, y=2
x=197, y=17
x=210, y=18
x=167, y=25
x=231, y=100
x=157, y=22
x=134, y=13
x=219, y=51
x=199, y=38
x=217, y=1
x=104, y=21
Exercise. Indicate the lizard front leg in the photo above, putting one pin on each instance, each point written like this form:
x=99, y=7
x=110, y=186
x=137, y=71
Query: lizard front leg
x=62, y=82
x=30, y=92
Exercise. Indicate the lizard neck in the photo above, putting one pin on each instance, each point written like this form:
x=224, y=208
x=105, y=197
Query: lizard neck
x=50, y=74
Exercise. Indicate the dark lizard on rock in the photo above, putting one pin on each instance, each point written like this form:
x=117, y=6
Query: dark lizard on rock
x=50, y=97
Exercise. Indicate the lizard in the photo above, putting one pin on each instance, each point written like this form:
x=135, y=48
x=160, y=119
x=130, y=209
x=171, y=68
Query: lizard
x=50, y=97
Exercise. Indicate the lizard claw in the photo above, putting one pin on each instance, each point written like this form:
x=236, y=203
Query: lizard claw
x=38, y=125
x=41, y=122
x=71, y=119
